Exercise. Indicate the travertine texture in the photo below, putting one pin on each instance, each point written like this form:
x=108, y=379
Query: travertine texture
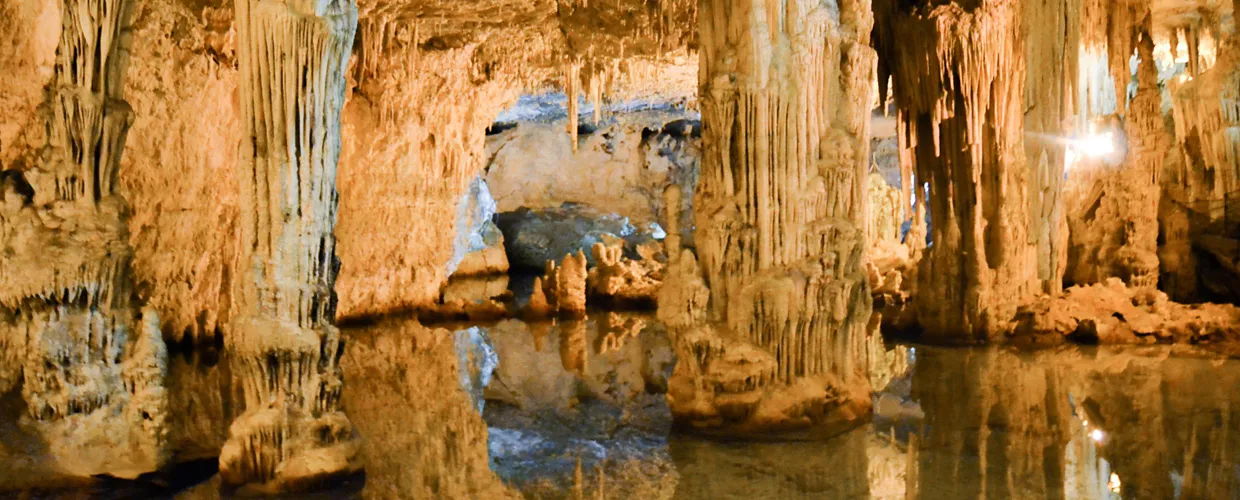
x=90, y=360
x=781, y=208
x=284, y=345
x=959, y=74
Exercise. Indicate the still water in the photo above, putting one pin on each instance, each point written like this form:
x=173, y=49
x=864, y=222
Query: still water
x=577, y=408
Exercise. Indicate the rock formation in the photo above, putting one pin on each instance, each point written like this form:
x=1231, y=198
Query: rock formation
x=1113, y=207
x=1199, y=257
x=780, y=211
x=623, y=165
x=479, y=245
x=959, y=74
x=89, y=358
x=1112, y=313
x=292, y=60
x=618, y=281
x=561, y=290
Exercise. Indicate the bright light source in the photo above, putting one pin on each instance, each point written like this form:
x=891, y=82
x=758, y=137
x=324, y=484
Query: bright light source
x=1114, y=483
x=1097, y=435
x=1095, y=146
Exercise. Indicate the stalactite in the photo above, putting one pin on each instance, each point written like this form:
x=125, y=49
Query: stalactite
x=90, y=364
x=781, y=209
x=572, y=86
x=292, y=67
x=960, y=89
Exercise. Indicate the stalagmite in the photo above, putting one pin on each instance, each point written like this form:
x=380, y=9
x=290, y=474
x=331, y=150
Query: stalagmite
x=959, y=84
x=284, y=347
x=561, y=289
x=90, y=360
x=785, y=90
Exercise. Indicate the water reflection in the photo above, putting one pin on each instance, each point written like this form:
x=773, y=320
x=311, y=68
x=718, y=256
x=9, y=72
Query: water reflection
x=1070, y=423
x=1075, y=423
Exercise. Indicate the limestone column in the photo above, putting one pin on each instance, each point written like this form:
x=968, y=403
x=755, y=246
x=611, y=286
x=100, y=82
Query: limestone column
x=959, y=74
x=785, y=93
x=292, y=58
x=1052, y=31
x=90, y=365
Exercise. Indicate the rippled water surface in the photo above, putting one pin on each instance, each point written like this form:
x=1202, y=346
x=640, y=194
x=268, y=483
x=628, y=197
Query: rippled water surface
x=578, y=408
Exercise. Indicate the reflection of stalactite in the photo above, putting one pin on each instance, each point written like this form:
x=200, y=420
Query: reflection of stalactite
x=959, y=82
x=91, y=366
x=780, y=209
x=284, y=345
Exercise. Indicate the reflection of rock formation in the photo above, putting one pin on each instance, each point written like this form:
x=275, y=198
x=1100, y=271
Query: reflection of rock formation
x=959, y=73
x=591, y=388
x=838, y=469
x=424, y=439
x=283, y=344
x=1001, y=424
x=90, y=365
x=785, y=94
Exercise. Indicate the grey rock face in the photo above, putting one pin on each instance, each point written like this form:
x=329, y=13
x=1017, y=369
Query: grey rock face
x=474, y=230
x=533, y=237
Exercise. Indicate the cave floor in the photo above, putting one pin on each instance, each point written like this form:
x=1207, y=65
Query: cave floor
x=577, y=408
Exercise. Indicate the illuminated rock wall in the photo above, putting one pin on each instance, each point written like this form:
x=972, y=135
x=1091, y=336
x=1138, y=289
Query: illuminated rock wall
x=90, y=359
